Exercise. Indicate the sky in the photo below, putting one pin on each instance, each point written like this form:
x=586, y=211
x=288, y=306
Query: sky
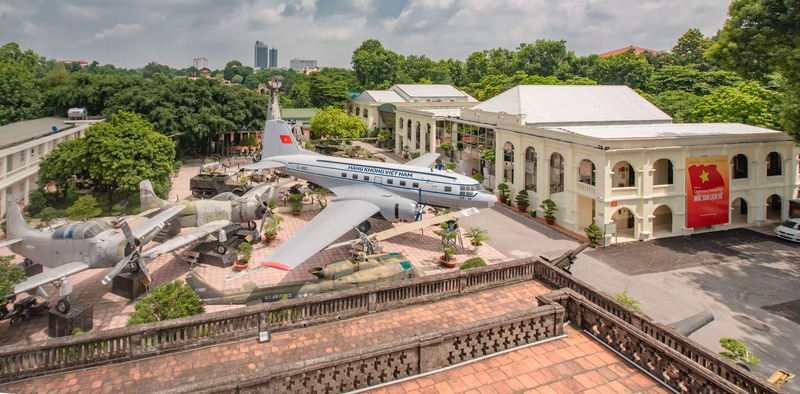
x=132, y=33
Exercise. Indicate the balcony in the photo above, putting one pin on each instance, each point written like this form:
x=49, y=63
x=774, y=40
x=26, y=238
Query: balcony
x=624, y=192
x=663, y=190
x=586, y=189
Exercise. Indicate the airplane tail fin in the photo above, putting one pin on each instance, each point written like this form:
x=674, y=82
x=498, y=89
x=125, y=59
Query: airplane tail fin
x=148, y=197
x=278, y=140
x=201, y=287
x=15, y=223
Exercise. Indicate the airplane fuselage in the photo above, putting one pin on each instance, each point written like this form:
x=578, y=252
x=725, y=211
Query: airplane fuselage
x=87, y=242
x=414, y=184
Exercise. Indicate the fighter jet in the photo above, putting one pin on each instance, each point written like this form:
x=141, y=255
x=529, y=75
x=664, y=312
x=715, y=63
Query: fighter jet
x=342, y=275
x=362, y=188
x=79, y=246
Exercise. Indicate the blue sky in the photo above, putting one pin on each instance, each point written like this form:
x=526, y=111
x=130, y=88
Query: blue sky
x=133, y=33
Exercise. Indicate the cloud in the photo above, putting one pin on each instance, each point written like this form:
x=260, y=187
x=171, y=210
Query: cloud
x=120, y=30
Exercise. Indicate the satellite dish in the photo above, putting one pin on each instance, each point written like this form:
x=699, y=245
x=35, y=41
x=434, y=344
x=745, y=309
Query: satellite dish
x=54, y=128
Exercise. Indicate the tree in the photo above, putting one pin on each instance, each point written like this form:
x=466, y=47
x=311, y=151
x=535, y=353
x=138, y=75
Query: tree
x=68, y=160
x=375, y=65
x=676, y=103
x=749, y=103
x=761, y=37
x=170, y=300
x=20, y=97
x=10, y=274
x=544, y=58
x=125, y=150
x=624, y=69
x=690, y=50
x=337, y=123
x=688, y=79
x=328, y=88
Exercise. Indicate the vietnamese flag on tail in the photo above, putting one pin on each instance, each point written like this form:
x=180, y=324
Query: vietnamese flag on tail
x=707, y=191
x=286, y=139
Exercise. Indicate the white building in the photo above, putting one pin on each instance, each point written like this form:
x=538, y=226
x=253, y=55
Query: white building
x=605, y=155
x=302, y=64
x=377, y=107
x=200, y=63
x=22, y=146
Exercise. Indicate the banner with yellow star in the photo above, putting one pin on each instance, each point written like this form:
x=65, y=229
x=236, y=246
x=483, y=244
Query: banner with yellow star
x=707, y=191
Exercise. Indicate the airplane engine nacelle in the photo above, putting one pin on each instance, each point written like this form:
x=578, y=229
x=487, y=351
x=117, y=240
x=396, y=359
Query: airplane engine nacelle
x=246, y=211
x=398, y=209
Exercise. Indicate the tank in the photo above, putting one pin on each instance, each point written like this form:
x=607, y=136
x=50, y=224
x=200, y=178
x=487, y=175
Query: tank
x=209, y=185
x=77, y=113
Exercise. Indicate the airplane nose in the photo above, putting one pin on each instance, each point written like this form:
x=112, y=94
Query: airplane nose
x=260, y=210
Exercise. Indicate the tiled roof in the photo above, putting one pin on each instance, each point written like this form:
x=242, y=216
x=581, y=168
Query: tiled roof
x=637, y=50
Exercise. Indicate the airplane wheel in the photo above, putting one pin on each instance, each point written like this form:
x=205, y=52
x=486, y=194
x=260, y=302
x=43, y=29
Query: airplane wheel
x=365, y=226
x=221, y=249
x=251, y=225
x=134, y=266
x=63, y=305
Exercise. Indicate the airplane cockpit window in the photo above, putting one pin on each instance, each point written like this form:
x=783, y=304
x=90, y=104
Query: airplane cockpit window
x=468, y=190
x=81, y=230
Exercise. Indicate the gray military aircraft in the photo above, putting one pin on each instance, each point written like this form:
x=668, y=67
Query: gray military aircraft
x=362, y=188
x=79, y=246
x=342, y=275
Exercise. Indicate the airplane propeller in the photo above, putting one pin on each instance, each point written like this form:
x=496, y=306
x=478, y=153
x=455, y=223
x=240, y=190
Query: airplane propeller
x=134, y=256
x=265, y=205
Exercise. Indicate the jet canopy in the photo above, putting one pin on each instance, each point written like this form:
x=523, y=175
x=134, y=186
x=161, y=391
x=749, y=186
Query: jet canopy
x=81, y=230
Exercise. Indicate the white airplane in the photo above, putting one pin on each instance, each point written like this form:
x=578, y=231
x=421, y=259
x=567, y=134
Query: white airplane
x=79, y=246
x=362, y=188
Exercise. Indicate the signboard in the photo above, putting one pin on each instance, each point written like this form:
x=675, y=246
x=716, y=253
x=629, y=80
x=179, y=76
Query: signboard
x=707, y=191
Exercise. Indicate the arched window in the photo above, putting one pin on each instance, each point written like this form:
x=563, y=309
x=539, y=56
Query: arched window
x=417, y=132
x=530, y=169
x=358, y=111
x=365, y=113
x=663, y=174
x=739, y=166
x=508, y=162
x=556, y=173
x=427, y=143
x=623, y=175
x=401, y=124
x=586, y=172
x=774, y=165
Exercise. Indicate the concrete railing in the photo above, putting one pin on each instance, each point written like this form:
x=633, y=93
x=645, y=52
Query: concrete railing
x=152, y=339
x=397, y=359
x=582, y=303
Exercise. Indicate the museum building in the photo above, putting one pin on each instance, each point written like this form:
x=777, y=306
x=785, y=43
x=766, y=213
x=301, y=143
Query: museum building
x=607, y=156
x=22, y=147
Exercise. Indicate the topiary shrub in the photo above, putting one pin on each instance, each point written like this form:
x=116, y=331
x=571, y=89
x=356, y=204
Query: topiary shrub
x=85, y=207
x=167, y=301
x=36, y=203
x=50, y=213
x=474, y=262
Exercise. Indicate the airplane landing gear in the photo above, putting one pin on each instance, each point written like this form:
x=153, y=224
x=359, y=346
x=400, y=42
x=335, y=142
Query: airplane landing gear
x=63, y=305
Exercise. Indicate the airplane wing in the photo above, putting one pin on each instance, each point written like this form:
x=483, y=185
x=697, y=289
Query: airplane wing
x=50, y=276
x=264, y=164
x=9, y=242
x=192, y=238
x=425, y=160
x=334, y=221
x=156, y=223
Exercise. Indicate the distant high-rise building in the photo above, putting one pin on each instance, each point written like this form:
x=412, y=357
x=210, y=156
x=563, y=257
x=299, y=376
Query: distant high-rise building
x=200, y=63
x=273, y=57
x=261, y=55
x=302, y=64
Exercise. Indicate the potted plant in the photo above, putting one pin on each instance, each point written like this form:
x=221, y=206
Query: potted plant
x=549, y=208
x=522, y=200
x=272, y=226
x=405, y=151
x=478, y=177
x=593, y=233
x=246, y=250
x=296, y=202
x=476, y=237
x=414, y=155
x=503, y=192
x=448, y=259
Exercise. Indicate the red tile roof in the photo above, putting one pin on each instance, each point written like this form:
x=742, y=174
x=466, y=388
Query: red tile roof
x=638, y=50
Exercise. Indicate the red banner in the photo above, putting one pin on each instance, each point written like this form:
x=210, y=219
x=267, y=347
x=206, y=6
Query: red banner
x=707, y=191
